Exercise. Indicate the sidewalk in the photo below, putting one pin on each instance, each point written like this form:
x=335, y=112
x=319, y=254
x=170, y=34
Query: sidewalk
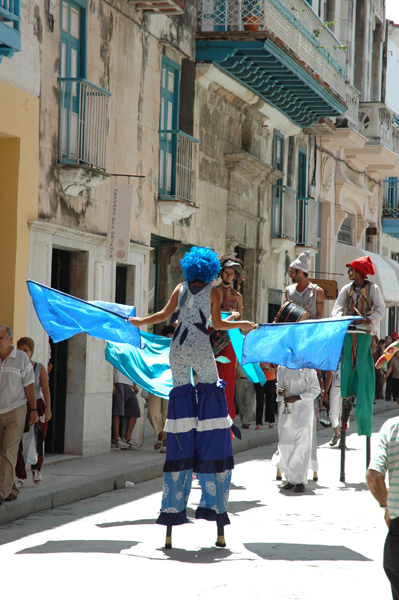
x=70, y=478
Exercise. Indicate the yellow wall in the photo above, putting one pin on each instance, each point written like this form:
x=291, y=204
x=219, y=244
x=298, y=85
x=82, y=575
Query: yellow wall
x=19, y=181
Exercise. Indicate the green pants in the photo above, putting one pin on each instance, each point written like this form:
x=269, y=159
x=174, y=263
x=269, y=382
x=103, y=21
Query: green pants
x=359, y=379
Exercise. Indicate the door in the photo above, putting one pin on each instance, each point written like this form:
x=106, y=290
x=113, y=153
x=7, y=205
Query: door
x=71, y=38
x=60, y=280
x=301, y=195
x=168, y=121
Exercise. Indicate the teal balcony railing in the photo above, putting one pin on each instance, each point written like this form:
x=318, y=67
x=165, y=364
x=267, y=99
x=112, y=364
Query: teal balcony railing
x=83, y=123
x=284, y=212
x=10, y=28
x=177, y=165
x=307, y=222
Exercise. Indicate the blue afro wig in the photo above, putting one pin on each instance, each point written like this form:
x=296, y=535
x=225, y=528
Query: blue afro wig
x=200, y=263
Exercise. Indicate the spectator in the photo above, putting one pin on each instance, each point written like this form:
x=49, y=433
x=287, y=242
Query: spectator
x=378, y=372
x=266, y=394
x=388, y=379
x=245, y=397
x=385, y=459
x=16, y=385
x=43, y=403
x=124, y=404
x=393, y=373
x=158, y=407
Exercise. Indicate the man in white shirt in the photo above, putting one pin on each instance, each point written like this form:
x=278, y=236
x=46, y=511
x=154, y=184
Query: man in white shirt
x=363, y=298
x=16, y=386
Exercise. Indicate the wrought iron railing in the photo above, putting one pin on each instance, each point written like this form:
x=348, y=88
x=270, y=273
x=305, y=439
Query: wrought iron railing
x=83, y=123
x=284, y=212
x=10, y=23
x=390, y=205
x=307, y=222
x=177, y=165
x=295, y=23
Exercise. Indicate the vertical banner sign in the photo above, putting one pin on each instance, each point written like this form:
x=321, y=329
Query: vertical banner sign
x=119, y=218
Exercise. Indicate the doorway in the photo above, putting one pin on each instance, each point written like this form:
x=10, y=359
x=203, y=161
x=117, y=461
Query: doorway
x=60, y=280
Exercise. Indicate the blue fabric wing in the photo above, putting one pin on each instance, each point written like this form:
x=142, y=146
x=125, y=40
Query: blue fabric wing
x=62, y=316
x=149, y=367
x=252, y=371
x=308, y=344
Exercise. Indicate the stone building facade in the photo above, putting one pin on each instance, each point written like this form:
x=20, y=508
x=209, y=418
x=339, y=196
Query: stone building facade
x=238, y=131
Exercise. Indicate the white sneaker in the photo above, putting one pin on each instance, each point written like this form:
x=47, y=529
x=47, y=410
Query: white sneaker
x=36, y=476
x=132, y=443
x=120, y=443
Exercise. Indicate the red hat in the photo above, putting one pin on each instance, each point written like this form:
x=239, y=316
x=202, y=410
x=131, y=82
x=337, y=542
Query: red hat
x=394, y=335
x=362, y=265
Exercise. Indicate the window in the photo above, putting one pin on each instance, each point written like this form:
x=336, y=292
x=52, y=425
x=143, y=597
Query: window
x=72, y=66
x=278, y=163
x=10, y=32
x=168, y=122
x=345, y=233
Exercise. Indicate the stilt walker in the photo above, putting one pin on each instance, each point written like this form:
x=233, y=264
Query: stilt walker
x=198, y=424
x=363, y=298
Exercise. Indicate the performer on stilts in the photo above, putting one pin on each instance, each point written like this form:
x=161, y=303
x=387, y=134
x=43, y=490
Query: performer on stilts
x=362, y=298
x=198, y=424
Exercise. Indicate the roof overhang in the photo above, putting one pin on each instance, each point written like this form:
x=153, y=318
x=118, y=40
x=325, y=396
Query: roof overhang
x=274, y=76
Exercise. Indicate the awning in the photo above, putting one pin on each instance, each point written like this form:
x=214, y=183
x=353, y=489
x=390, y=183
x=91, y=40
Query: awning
x=386, y=275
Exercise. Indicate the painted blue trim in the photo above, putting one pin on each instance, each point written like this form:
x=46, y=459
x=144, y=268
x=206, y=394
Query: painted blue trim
x=10, y=35
x=82, y=80
x=274, y=76
x=174, y=97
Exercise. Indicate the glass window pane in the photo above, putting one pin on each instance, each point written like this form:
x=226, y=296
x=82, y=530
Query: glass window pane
x=64, y=16
x=171, y=82
x=74, y=23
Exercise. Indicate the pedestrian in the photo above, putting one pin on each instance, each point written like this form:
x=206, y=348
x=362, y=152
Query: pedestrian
x=16, y=386
x=158, y=407
x=393, y=373
x=385, y=458
x=43, y=404
x=379, y=385
x=359, y=297
x=198, y=424
x=245, y=396
x=332, y=384
x=232, y=273
x=297, y=390
x=124, y=404
x=266, y=396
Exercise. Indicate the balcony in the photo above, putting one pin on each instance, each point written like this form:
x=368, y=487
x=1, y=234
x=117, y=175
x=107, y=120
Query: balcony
x=294, y=25
x=163, y=7
x=10, y=34
x=308, y=222
x=83, y=130
x=177, y=175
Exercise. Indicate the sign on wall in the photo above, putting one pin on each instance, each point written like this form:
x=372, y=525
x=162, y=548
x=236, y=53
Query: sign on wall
x=329, y=287
x=120, y=213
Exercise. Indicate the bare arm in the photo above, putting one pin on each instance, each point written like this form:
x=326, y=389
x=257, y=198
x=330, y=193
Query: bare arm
x=223, y=324
x=376, y=482
x=46, y=392
x=30, y=394
x=160, y=316
x=319, y=303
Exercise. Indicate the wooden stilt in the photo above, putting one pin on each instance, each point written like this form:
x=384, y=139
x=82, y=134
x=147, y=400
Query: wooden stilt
x=278, y=475
x=315, y=476
x=368, y=451
x=220, y=542
x=168, y=539
x=347, y=405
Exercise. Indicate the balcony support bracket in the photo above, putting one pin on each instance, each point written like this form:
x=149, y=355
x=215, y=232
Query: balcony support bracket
x=77, y=179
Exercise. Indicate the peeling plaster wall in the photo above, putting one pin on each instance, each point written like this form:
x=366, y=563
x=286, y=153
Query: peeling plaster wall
x=23, y=69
